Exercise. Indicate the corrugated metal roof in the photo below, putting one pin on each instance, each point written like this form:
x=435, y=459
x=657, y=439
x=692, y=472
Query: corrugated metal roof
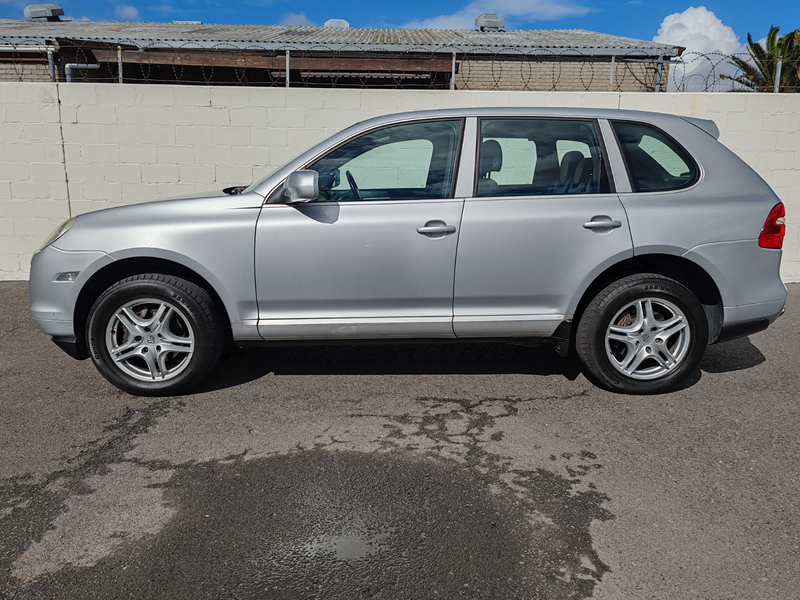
x=307, y=38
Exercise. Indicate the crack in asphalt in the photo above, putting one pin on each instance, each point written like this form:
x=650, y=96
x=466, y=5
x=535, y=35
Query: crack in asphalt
x=28, y=507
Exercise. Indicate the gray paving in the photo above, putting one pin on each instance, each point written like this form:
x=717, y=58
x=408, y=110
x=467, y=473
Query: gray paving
x=401, y=471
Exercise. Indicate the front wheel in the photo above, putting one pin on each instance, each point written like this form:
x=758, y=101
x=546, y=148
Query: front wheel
x=154, y=335
x=642, y=334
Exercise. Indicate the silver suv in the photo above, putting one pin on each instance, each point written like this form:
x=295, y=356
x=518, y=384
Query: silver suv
x=634, y=239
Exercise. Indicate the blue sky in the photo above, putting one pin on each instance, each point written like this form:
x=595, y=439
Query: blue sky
x=636, y=18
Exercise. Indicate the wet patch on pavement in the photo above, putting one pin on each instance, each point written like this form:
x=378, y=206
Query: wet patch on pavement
x=429, y=511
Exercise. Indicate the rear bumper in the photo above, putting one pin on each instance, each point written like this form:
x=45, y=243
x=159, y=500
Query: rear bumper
x=767, y=315
x=739, y=330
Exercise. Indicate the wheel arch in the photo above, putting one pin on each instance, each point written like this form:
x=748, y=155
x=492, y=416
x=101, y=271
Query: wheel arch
x=684, y=271
x=126, y=267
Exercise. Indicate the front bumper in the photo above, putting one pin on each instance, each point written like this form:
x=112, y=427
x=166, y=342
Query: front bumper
x=53, y=302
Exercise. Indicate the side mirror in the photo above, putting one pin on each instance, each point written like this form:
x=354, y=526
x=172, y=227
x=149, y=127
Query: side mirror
x=301, y=186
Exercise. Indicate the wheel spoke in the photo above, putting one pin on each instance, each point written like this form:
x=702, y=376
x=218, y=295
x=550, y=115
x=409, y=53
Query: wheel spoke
x=634, y=361
x=152, y=363
x=125, y=351
x=166, y=335
x=671, y=327
x=161, y=316
x=181, y=348
x=134, y=319
x=666, y=358
x=128, y=321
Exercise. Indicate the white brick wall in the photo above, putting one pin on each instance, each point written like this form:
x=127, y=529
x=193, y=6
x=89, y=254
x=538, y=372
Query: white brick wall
x=110, y=144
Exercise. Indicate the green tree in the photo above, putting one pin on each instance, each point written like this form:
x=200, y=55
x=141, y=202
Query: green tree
x=759, y=73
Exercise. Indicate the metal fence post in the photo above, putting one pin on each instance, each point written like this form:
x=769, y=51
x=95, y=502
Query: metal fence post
x=453, y=73
x=119, y=62
x=659, y=69
x=611, y=78
x=287, y=68
x=778, y=74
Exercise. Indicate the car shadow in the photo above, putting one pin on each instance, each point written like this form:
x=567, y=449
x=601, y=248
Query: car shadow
x=246, y=365
x=736, y=355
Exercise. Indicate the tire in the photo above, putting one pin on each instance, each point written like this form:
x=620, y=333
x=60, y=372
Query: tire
x=642, y=334
x=154, y=335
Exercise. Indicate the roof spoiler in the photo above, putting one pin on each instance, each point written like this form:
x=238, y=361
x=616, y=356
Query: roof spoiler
x=706, y=125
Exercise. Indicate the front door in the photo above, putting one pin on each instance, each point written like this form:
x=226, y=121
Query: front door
x=374, y=255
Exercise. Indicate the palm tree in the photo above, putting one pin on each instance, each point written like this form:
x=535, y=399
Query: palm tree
x=758, y=74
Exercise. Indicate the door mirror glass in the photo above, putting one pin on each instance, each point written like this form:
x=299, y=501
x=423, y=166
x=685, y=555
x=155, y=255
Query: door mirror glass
x=301, y=186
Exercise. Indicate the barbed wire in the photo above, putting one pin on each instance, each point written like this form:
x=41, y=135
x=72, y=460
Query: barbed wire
x=523, y=69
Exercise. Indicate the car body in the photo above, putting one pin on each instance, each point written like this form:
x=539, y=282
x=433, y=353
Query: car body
x=635, y=238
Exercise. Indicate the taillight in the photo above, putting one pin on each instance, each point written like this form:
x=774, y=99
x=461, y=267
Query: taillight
x=774, y=228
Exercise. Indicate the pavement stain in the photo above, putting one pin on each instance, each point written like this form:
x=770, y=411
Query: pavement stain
x=453, y=518
x=29, y=507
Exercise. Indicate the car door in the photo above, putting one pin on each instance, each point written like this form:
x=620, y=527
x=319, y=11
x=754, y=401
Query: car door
x=374, y=255
x=542, y=224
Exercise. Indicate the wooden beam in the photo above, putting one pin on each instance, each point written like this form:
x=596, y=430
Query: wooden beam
x=221, y=58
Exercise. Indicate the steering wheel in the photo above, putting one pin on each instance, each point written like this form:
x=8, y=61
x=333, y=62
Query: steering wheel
x=353, y=186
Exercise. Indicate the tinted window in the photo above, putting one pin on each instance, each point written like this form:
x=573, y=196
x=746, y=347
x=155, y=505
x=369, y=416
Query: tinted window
x=655, y=162
x=524, y=157
x=411, y=161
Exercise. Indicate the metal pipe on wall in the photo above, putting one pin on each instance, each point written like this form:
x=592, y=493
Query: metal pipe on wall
x=49, y=50
x=70, y=66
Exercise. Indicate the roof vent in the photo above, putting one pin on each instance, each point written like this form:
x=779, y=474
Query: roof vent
x=490, y=22
x=338, y=23
x=43, y=12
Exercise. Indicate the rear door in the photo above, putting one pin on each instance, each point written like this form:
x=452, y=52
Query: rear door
x=543, y=222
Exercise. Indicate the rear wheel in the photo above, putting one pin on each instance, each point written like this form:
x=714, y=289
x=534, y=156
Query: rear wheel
x=154, y=335
x=642, y=334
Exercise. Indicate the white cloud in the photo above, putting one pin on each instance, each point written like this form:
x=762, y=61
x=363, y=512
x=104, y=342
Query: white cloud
x=127, y=13
x=698, y=30
x=708, y=42
x=523, y=10
x=296, y=19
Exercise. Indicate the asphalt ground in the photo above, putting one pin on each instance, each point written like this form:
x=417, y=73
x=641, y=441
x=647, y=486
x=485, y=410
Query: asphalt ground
x=403, y=471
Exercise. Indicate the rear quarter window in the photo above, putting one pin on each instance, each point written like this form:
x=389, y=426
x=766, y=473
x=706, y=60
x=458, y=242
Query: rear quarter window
x=655, y=162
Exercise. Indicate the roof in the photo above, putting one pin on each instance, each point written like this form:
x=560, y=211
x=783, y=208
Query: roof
x=308, y=38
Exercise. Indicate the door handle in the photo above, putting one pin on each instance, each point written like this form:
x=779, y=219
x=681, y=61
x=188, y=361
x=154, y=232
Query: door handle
x=602, y=222
x=436, y=229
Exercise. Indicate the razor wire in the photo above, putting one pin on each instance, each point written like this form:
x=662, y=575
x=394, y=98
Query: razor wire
x=365, y=67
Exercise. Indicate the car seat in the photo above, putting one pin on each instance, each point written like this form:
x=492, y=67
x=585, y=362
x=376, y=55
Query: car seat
x=491, y=161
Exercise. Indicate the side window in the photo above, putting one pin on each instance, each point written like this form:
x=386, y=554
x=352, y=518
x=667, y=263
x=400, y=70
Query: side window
x=396, y=165
x=405, y=162
x=655, y=162
x=525, y=157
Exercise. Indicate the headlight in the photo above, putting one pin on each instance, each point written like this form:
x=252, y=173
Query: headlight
x=60, y=230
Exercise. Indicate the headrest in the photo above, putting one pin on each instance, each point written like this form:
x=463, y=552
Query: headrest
x=583, y=171
x=568, y=164
x=491, y=157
